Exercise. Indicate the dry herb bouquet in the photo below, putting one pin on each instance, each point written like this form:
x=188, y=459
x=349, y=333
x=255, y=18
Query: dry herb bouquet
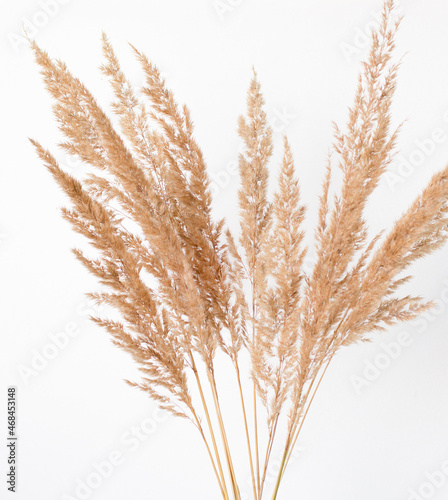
x=187, y=290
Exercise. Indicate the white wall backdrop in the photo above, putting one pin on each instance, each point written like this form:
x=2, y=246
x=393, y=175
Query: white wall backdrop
x=378, y=427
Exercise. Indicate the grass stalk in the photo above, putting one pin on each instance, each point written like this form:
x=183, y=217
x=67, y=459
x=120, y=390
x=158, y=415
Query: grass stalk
x=201, y=431
x=225, y=442
x=210, y=426
x=246, y=429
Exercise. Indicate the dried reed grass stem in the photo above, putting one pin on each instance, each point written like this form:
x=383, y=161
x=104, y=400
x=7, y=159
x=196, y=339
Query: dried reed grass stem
x=246, y=428
x=210, y=426
x=225, y=442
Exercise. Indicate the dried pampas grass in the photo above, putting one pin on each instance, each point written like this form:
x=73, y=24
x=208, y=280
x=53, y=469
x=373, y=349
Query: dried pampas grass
x=187, y=290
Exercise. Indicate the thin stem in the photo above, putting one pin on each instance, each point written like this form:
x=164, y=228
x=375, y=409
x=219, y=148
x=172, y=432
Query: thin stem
x=246, y=428
x=280, y=474
x=293, y=428
x=212, y=381
x=307, y=409
x=210, y=426
x=257, y=452
x=268, y=454
x=272, y=431
x=199, y=426
x=328, y=346
x=291, y=440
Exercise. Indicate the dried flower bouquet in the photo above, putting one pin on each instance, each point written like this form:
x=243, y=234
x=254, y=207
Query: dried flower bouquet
x=187, y=289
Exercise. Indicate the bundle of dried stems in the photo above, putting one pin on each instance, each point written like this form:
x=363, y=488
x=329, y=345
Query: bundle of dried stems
x=186, y=290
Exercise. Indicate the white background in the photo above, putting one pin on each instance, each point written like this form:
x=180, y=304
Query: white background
x=378, y=440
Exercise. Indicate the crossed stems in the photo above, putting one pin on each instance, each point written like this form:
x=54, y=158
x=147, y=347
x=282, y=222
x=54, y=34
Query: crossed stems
x=258, y=476
x=291, y=440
